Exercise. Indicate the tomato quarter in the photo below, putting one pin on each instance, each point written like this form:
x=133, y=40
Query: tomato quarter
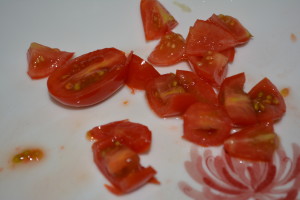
x=43, y=60
x=90, y=78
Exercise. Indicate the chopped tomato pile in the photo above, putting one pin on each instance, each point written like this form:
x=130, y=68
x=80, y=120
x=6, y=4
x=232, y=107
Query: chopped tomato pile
x=215, y=108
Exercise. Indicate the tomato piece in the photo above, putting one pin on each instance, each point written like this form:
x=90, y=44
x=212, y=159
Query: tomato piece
x=205, y=36
x=139, y=73
x=212, y=67
x=255, y=143
x=236, y=102
x=134, y=135
x=167, y=97
x=90, y=78
x=43, y=60
x=203, y=91
x=121, y=166
x=232, y=25
x=206, y=124
x=157, y=21
x=169, y=51
x=267, y=101
x=229, y=53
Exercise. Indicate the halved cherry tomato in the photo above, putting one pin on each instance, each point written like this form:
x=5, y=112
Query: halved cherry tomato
x=205, y=36
x=229, y=53
x=133, y=135
x=90, y=78
x=212, y=67
x=267, y=101
x=232, y=25
x=121, y=166
x=43, y=60
x=139, y=73
x=203, y=91
x=236, y=102
x=157, y=21
x=169, y=51
x=206, y=124
x=256, y=143
x=167, y=97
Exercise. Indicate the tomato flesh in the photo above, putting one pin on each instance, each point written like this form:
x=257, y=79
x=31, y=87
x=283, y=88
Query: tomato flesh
x=236, y=102
x=43, y=60
x=90, y=78
x=139, y=73
x=157, y=21
x=121, y=166
x=202, y=90
x=205, y=36
x=267, y=101
x=134, y=135
x=255, y=143
x=206, y=124
x=169, y=51
x=232, y=25
x=212, y=67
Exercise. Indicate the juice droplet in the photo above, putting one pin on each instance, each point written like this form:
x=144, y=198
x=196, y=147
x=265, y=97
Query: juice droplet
x=28, y=155
x=285, y=92
x=293, y=37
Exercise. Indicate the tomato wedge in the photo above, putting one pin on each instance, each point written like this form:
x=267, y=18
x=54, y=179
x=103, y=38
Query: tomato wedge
x=121, y=166
x=139, y=73
x=133, y=135
x=167, y=97
x=236, y=102
x=157, y=21
x=203, y=91
x=205, y=36
x=90, y=78
x=169, y=51
x=43, y=60
x=229, y=53
x=206, y=124
x=212, y=67
x=255, y=143
x=267, y=101
x=232, y=25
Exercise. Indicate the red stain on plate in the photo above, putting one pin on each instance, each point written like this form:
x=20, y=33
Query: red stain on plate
x=228, y=178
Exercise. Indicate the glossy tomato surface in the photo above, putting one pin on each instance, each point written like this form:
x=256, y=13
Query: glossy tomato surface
x=236, y=102
x=139, y=73
x=90, y=78
x=43, y=60
x=167, y=97
x=157, y=20
x=121, y=166
x=133, y=135
x=267, y=101
x=256, y=143
x=169, y=51
x=206, y=124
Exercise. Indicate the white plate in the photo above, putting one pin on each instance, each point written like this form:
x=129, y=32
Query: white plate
x=29, y=118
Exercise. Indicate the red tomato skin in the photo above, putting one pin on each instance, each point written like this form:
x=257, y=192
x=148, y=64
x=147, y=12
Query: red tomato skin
x=236, y=102
x=134, y=135
x=233, y=26
x=127, y=182
x=229, y=53
x=169, y=51
x=157, y=21
x=43, y=60
x=110, y=59
x=274, y=107
x=206, y=124
x=205, y=36
x=175, y=104
x=212, y=67
x=202, y=90
x=139, y=73
x=254, y=143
